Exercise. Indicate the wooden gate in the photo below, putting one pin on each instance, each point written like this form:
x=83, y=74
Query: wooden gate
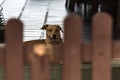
x=100, y=52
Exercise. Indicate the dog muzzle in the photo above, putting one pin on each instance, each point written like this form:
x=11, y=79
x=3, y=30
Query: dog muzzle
x=53, y=39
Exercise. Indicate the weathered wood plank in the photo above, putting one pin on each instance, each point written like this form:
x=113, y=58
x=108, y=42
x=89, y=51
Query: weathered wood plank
x=102, y=46
x=14, y=51
x=72, y=48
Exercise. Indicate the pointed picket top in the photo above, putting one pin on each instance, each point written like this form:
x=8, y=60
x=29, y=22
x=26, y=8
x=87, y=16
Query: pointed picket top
x=14, y=68
x=72, y=48
x=102, y=46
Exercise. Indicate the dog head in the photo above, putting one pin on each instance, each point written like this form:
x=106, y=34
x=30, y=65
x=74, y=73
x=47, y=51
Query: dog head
x=52, y=33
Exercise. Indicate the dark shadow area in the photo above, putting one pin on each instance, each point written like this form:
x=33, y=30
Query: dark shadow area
x=87, y=8
x=2, y=36
x=2, y=26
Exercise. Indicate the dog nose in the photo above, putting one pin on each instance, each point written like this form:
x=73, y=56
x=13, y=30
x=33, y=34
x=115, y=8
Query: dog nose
x=54, y=36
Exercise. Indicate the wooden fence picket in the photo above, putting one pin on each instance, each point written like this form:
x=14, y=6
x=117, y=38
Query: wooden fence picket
x=72, y=48
x=102, y=46
x=14, y=68
x=40, y=69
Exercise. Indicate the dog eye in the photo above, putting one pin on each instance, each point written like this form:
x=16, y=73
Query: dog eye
x=57, y=30
x=50, y=30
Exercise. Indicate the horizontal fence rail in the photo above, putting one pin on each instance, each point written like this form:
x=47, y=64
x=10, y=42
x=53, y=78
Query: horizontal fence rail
x=86, y=52
x=14, y=55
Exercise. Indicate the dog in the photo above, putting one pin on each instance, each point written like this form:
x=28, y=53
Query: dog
x=52, y=37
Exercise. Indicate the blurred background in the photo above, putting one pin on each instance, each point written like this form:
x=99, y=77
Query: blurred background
x=36, y=13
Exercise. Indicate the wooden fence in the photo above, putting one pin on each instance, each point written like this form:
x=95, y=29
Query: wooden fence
x=100, y=52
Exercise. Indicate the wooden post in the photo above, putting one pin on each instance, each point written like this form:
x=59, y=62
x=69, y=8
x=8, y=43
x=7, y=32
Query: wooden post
x=72, y=48
x=14, y=50
x=102, y=46
x=40, y=68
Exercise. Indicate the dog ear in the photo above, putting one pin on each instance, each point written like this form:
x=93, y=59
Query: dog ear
x=44, y=27
x=60, y=28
